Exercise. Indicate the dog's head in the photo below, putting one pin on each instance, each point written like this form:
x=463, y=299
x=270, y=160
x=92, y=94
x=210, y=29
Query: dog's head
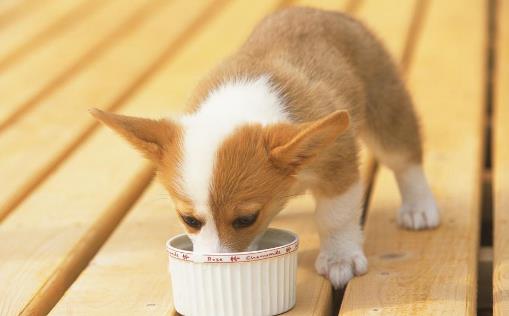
x=227, y=186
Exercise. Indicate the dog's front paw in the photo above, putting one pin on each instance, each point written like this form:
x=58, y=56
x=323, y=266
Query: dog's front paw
x=423, y=215
x=340, y=269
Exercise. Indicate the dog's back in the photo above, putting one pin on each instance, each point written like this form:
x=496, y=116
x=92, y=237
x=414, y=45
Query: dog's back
x=324, y=61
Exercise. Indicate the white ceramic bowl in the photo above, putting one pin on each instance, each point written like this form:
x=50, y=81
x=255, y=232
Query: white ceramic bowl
x=250, y=283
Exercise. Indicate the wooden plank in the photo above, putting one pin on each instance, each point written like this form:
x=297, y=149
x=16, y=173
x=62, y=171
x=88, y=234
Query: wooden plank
x=24, y=84
x=501, y=163
x=7, y=6
x=58, y=228
x=61, y=120
x=433, y=272
x=129, y=276
x=11, y=10
x=102, y=288
x=36, y=27
x=42, y=246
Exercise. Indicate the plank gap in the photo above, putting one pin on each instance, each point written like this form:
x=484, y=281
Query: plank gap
x=490, y=73
x=428, y=297
x=486, y=179
x=82, y=10
x=173, y=48
x=351, y=8
x=372, y=167
x=56, y=285
x=135, y=86
x=413, y=35
x=490, y=58
x=370, y=180
x=487, y=209
x=419, y=14
x=485, y=273
x=44, y=172
x=485, y=266
x=123, y=29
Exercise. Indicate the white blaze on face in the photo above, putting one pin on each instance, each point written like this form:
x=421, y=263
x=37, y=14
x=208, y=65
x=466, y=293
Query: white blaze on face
x=226, y=108
x=207, y=240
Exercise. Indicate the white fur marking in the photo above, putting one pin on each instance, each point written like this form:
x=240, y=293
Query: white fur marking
x=231, y=105
x=341, y=256
x=334, y=212
x=418, y=209
x=207, y=240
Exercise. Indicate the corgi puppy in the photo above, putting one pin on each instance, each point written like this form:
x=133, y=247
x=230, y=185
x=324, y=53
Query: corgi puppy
x=281, y=116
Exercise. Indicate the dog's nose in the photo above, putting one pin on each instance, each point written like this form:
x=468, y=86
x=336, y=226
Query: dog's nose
x=203, y=244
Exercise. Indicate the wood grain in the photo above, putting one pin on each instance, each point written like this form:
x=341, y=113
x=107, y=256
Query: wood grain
x=8, y=6
x=11, y=10
x=42, y=138
x=129, y=275
x=24, y=84
x=59, y=227
x=38, y=26
x=501, y=163
x=433, y=272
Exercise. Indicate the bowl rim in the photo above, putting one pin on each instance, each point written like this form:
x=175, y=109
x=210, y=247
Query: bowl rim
x=234, y=257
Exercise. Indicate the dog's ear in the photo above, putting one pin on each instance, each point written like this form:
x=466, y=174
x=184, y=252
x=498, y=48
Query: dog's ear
x=149, y=136
x=295, y=145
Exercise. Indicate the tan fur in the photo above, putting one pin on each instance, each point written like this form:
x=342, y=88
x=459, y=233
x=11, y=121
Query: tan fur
x=309, y=141
x=251, y=179
x=322, y=63
x=153, y=138
x=257, y=166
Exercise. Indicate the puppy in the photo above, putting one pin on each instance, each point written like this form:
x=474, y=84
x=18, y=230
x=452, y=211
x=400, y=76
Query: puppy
x=279, y=117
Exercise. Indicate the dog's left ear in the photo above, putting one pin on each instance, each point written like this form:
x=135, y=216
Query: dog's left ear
x=298, y=144
x=149, y=136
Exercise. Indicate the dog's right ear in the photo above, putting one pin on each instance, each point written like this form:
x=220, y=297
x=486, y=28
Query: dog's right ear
x=298, y=144
x=149, y=136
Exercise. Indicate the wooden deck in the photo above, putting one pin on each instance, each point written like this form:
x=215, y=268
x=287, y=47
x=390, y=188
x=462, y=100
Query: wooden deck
x=83, y=226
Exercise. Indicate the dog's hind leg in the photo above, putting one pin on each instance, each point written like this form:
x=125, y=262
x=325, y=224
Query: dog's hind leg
x=391, y=131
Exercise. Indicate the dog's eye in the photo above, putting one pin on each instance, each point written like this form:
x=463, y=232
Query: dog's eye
x=192, y=221
x=245, y=221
